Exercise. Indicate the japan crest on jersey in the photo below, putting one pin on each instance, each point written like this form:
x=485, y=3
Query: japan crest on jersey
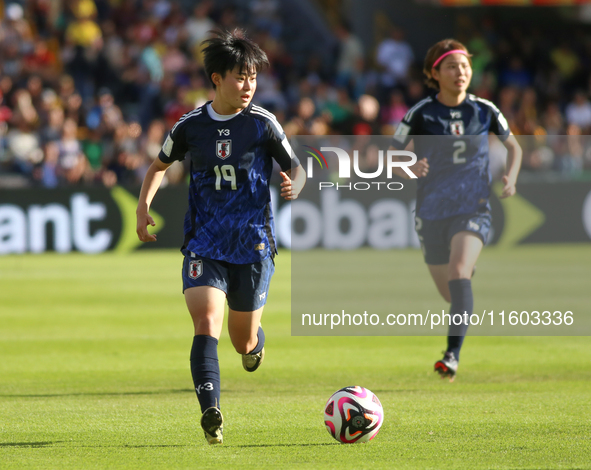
x=195, y=268
x=224, y=148
x=456, y=127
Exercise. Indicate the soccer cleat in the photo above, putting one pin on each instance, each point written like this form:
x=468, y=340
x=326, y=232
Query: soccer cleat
x=212, y=423
x=251, y=362
x=448, y=366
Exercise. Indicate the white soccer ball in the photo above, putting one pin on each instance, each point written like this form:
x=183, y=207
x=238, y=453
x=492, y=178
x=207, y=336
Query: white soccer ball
x=353, y=414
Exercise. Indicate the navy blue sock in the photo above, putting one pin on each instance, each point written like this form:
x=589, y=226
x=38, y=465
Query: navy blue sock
x=461, y=301
x=261, y=343
x=205, y=369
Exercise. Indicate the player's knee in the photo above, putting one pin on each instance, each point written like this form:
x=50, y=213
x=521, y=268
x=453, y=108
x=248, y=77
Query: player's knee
x=206, y=325
x=460, y=271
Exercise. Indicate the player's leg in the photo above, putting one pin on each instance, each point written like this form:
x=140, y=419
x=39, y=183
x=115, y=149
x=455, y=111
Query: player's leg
x=465, y=249
x=248, y=337
x=206, y=306
x=441, y=277
x=435, y=247
x=448, y=365
x=247, y=295
x=243, y=328
x=465, y=235
x=204, y=283
x=436, y=251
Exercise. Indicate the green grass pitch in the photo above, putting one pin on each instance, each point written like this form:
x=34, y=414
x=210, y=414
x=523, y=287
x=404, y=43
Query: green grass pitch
x=94, y=374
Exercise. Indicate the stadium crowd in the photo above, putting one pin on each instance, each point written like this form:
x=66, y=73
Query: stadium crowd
x=90, y=88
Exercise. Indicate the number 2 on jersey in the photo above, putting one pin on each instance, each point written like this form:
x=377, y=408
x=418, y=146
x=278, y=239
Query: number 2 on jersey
x=228, y=173
x=460, y=147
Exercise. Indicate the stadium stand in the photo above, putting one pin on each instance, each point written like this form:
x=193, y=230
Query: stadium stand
x=89, y=88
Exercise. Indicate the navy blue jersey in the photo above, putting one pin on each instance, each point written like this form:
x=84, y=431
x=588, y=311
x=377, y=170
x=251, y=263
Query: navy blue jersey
x=454, y=141
x=229, y=216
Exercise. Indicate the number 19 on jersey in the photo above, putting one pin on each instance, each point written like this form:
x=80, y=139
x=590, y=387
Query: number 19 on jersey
x=226, y=172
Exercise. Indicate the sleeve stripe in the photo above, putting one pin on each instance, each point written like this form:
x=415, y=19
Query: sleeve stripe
x=485, y=101
x=195, y=112
x=288, y=148
x=264, y=112
x=412, y=110
x=270, y=118
x=500, y=116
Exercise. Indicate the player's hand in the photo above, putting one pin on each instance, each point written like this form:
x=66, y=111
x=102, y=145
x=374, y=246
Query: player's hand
x=420, y=168
x=508, y=188
x=289, y=190
x=143, y=221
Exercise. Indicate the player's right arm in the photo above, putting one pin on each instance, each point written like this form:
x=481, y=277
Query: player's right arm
x=403, y=141
x=149, y=187
x=174, y=148
x=420, y=168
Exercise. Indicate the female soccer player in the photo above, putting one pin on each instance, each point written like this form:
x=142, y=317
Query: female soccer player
x=229, y=234
x=453, y=211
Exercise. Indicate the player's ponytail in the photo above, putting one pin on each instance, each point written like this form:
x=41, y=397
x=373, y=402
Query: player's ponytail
x=435, y=55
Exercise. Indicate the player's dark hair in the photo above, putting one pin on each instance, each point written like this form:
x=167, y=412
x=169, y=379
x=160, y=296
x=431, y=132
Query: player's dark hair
x=435, y=52
x=228, y=50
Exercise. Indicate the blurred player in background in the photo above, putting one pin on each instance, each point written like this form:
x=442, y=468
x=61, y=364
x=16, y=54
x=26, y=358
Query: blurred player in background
x=453, y=210
x=229, y=233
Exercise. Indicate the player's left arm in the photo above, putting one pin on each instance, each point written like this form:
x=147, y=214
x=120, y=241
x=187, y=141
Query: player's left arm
x=514, y=156
x=500, y=127
x=294, y=181
x=292, y=172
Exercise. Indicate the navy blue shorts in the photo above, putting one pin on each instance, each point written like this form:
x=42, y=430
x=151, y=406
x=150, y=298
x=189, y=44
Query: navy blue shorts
x=436, y=235
x=246, y=285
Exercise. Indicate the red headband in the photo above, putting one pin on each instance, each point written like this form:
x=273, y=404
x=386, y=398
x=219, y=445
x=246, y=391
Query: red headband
x=455, y=51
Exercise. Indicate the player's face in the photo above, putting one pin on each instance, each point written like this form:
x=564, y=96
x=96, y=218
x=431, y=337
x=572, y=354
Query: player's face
x=236, y=89
x=454, y=74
